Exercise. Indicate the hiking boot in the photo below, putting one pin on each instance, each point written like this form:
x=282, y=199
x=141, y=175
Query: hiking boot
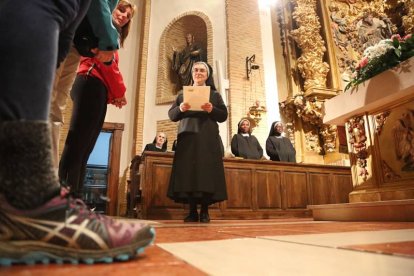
x=65, y=230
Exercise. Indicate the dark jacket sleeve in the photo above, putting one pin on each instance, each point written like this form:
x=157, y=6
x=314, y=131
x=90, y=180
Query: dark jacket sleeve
x=234, y=145
x=175, y=113
x=219, y=112
x=259, y=147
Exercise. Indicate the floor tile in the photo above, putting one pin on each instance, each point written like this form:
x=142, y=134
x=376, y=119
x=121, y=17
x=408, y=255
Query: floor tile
x=248, y=256
x=348, y=238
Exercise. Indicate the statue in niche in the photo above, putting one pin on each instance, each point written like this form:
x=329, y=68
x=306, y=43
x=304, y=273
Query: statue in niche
x=183, y=60
x=371, y=30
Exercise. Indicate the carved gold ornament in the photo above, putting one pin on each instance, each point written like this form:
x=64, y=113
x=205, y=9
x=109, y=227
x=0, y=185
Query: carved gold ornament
x=380, y=120
x=307, y=36
x=357, y=140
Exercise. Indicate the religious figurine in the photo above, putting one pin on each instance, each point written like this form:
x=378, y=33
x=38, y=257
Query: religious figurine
x=372, y=30
x=183, y=61
x=339, y=27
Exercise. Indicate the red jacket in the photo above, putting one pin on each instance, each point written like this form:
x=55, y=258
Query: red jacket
x=108, y=74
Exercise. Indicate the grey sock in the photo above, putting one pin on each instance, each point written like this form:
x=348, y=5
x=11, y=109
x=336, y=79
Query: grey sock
x=27, y=177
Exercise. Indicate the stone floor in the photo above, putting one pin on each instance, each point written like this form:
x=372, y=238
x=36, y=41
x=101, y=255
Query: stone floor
x=261, y=247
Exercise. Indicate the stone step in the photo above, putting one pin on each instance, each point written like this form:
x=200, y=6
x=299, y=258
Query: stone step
x=391, y=210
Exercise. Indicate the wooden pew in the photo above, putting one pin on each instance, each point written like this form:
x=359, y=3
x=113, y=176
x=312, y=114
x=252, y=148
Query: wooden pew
x=256, y=189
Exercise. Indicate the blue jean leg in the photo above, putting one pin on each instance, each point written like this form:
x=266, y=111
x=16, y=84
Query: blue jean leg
x=32, y=36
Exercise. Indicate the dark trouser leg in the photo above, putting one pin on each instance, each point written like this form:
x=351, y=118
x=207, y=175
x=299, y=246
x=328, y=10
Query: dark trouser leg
x=89, y=97
x=30, y=44
x=29, y=47
x=29, y=33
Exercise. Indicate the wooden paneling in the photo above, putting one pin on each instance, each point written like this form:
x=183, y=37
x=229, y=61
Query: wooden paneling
x=239, y=192
x=296, y=195
x=160, y=177
x=342, y=189
x=256, y=189
x=322, y=188
x=268, y=189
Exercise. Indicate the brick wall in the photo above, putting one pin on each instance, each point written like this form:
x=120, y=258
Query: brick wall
x=141, y=80
x=244, y=40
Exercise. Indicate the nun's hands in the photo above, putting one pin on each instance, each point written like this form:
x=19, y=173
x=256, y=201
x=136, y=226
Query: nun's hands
x=184, y=107
x=207, y=107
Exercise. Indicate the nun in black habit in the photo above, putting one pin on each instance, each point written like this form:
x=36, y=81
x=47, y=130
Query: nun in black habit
x=159, y=144
x=278, y=147
x=244, y=144
x=197, y=176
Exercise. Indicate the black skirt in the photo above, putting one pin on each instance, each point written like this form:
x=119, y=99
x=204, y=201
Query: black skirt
x=198, y=170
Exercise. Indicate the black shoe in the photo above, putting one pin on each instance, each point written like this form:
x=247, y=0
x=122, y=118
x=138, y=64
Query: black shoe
x=191, y=218
x=204, y=217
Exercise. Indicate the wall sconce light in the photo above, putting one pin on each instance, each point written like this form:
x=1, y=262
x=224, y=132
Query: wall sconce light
x=250, y=65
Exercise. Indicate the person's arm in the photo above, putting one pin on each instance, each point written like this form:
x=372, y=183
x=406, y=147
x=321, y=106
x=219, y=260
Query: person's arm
x=292, y=156
x=119, y=102
x=234, y=147
x=113, y=79
x=175, y=113
x=259, y=147
x=219, y=112
x=100, y=17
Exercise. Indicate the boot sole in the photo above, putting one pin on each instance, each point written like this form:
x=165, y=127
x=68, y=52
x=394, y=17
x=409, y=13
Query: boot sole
x=32, y=252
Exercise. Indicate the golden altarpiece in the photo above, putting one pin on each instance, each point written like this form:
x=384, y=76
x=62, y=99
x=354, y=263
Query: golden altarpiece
x=320, y=42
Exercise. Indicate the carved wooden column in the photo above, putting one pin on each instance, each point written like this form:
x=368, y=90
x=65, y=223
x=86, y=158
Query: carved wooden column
x=304, y=51
x=307, y=36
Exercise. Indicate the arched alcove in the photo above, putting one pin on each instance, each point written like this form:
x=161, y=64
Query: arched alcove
x=193, y=22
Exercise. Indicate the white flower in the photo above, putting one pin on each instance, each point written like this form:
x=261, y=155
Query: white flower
x=379, y=49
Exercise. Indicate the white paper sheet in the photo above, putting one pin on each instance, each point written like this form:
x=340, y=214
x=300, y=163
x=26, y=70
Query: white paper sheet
x=196, y=96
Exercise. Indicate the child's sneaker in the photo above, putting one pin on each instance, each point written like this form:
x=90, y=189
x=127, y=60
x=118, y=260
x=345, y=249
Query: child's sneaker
x=65, y=230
